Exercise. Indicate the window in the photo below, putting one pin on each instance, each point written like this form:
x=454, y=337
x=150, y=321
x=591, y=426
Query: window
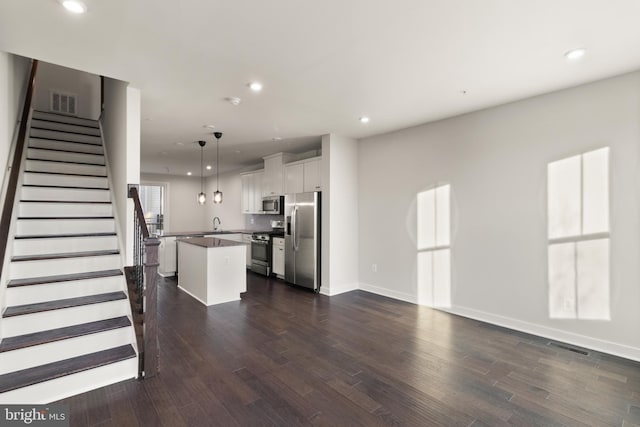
x=152, y=201
x=434, y=247
x=578, y=233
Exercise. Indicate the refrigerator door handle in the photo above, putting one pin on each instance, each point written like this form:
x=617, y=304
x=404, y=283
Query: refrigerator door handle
x=294, y=240
x=294, y=231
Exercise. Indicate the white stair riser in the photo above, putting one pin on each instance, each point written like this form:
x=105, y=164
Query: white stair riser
x=65, y=209
x=63, y=245
x=37, y=153
x=62, y=290
x=38, y=322
x=43, y=115
x=70, y=168
x=64, y=127
x=62, y=145
x=70, y=385
x=65, y=136
x=66, y=180
x=30, y=357
x=54, y=267
x=30, y=227
x=65, y=194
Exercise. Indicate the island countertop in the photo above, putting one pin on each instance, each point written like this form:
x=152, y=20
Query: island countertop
x=201, y=233
x=210, y=242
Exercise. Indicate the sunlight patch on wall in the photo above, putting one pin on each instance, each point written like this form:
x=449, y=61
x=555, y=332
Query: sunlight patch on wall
x=578, y=232
x=433, y=244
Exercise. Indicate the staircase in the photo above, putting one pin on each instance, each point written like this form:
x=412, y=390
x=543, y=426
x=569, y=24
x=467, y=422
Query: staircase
x=66, y=328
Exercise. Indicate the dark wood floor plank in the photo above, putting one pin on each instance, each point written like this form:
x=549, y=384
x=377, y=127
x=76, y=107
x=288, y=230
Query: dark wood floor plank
x=286, y=356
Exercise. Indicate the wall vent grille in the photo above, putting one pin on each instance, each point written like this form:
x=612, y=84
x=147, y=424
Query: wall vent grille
x=64, y=103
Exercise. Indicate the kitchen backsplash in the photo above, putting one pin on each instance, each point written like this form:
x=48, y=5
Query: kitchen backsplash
x=260, y=222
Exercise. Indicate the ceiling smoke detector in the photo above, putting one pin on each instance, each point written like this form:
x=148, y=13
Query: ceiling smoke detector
x=233, y=100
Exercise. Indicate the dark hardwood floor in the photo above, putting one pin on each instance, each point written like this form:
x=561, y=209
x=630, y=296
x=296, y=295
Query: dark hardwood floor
x=287, y=357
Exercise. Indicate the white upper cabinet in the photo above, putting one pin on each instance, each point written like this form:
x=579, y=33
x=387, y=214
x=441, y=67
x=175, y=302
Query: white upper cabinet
x=312, y=175
x=251, y=192
x=293, y=178
x=303, y=176
x=273, y=183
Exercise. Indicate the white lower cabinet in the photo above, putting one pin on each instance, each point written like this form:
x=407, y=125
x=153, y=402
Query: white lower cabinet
x=167, y=257
x=246, y=238
x=278, y=257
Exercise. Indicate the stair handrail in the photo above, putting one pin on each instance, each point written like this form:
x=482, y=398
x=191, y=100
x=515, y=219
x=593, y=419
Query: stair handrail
x=12, y=186
x=145, y=271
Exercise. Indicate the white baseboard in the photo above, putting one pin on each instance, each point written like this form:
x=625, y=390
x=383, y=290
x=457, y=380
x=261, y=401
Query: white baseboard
x=621, y=350
x=335, y=290
x=402, y=296
x=591, y=343
x=191, y=295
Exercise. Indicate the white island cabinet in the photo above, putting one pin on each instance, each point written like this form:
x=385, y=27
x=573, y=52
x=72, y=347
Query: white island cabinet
x=212, y=270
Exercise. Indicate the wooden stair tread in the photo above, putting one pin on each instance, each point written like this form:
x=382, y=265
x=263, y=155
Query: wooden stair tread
x=56, y=236
x=61, y=118
x=60, y=150
x=64, y=255
x=62, y=278
x=49, y=138
x=73, y=187
x=39, y=127
x=52, y=335
x=65, y=161
x=19, y=310
x=89, y=202
x=66, y=174
x=64, y=217
x=50, y=371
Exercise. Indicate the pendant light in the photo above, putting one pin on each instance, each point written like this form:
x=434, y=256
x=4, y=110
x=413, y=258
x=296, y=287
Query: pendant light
x=217, y=196
x=202, y=197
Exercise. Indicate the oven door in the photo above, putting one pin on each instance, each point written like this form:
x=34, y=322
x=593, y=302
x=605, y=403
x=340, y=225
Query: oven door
x=261, y=257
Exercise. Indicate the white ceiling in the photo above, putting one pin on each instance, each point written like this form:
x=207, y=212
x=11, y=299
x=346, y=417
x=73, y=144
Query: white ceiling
x=322, y=64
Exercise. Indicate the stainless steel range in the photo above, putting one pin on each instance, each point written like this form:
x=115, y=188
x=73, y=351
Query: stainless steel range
x=261, y=249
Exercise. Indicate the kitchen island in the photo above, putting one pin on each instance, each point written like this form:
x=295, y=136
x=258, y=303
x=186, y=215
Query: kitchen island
x=212, y=270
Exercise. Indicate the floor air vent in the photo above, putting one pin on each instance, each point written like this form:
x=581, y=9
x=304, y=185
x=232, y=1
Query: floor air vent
x=64, y=103
x=567, y=347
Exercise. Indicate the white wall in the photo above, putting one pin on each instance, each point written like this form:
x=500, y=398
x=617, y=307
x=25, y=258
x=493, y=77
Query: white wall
x=495, y=161
x=339, y=214
x=183, y=211
x=121, y=127
x=67, y=80
x=230, y=210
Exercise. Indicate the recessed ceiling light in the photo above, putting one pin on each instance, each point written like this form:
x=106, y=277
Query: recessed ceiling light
x=238, y=151
x=233, y=100
x=574, y=54
x=189, y=173
x=364, y=119
x=276, y=138
x=208, y=126
x=255, y=86
x=179, y=144
x=74, y=6
x=208, y=167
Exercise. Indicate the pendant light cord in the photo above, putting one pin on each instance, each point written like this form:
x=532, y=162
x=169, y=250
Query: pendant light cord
x=217, y=164
x=201, y=169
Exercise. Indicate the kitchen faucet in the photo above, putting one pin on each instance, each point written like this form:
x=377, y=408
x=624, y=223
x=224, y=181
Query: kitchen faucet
x=214, y=223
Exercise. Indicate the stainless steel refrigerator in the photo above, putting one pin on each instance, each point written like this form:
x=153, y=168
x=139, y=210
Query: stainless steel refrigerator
x=302, y=239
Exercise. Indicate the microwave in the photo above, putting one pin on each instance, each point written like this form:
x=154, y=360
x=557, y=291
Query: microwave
x=273, y=205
